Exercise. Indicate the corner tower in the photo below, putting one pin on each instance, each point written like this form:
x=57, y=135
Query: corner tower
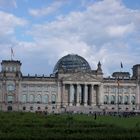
x=136, y=71
x=10, y=76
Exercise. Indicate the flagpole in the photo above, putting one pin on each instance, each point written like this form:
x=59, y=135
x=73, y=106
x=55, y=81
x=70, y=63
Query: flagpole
x=12, y=53
x=121, y=67
x=118, y=93
x=118, y=84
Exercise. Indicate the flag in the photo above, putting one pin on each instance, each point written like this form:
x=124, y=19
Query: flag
x=121, y=65
x=12, y=53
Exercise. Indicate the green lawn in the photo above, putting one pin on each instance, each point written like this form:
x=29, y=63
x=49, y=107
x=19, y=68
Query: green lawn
x=26, y=126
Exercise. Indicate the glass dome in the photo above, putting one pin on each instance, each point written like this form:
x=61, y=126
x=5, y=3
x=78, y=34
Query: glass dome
x=72, y=62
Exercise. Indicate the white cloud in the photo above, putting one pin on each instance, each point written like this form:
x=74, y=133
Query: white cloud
x=89, y=34
x=105, y=31
x=8, y=4
x=120, y=30
x=9, y=23
x=45, y=11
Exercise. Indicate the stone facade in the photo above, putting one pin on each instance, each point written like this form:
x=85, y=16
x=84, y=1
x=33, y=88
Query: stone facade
x=76, y=90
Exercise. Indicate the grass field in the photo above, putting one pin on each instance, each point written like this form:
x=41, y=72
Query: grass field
x=26, y=126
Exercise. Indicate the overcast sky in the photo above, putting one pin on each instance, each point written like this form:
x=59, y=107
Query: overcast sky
x=42, y=31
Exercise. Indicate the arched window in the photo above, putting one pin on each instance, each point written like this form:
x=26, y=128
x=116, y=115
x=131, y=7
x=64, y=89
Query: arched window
x=9, y=108
x=10, y=99
x=46, y=99
x=24, y=98
x=53, y=99
x=10, y=69
x=121, y=90
x=105, y=99
x=10, y=87
x=120, y=99
x=112, y=99
x=31, y=98
x=126, y=99
x=24, y=108
x=38, y=108
x=38, y=99
x=133, y=100
x=6, y=68
x=113, y=90
x=46, y=107
x=31, y=108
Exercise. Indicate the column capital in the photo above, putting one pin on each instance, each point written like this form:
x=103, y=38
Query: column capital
x=71, y=85
x=85, y=84
x=77, y=84
x=92, y=86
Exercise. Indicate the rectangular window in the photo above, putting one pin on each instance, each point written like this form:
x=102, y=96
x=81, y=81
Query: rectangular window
x=126, y=90
x=133, y=90
x=120, y=90
x=113, y=89
x=53, y=87
x=106, y=89
x=10, y=99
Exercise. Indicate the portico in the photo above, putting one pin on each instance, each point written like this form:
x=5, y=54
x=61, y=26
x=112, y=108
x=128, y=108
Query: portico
x=81, y=94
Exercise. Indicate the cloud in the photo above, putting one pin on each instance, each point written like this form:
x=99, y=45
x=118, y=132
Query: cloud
x=89, y=33
x=9, y=23
x=106, y=31
x=120, y=30
x=8, y=4
x=45, y=11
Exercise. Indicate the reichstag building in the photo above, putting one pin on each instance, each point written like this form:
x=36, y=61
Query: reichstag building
x=72, y=87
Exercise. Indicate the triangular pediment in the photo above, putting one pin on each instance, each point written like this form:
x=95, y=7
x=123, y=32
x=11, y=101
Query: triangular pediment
x=87, y=77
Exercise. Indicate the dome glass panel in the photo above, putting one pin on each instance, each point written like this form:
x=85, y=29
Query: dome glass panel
x=72, y=62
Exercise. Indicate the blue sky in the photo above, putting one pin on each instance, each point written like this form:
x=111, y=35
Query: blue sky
x=42, y=31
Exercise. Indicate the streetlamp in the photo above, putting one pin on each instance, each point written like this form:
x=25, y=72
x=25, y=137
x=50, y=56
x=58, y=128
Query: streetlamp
x=120, y=76
x=118, y=87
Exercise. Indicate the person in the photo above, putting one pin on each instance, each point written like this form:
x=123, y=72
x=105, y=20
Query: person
x=95, y=116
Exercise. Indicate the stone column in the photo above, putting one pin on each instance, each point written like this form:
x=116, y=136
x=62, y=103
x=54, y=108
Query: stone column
x=63, y=95
x=109, y=95
x=16, y=92
x=100, y=95
x=4, y=92
x=95, y=92
x=71, y=94
x=116, y=95
x=59, y=94
x=85, y=95
x=77, y=95
x=122, y=95
x=18, y=95
x=129, y=102
x=91, y=95
x=137, y=96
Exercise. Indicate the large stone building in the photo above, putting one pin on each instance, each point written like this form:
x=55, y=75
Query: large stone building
x=73, y=86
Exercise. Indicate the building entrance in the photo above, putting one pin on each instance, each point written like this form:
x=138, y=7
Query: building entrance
x=9, y=108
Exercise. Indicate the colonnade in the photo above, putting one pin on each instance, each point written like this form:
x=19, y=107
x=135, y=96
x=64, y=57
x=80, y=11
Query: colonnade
x=81, y=94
